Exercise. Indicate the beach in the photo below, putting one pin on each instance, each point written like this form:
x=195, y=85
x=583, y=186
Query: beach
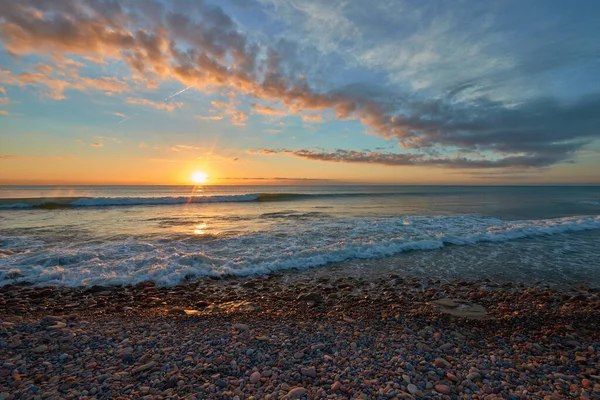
x=288, y=336
x=307, y=292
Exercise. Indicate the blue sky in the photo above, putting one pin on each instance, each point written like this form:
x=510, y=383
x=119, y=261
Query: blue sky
x=384, y=91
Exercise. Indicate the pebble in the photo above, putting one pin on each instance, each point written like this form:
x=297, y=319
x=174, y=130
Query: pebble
x=255, y=377
x=443, y=389
x=309, y=372
x=124, y=342
x=296, y=393
x=241, y=327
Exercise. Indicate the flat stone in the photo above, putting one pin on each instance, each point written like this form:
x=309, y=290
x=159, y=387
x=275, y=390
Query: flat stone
x=412, y=389
x=241, y=327
x=443, y=389
x=441, y=363
x=144, y=367
x=41, y=349
x=58, y=325
x=459, y=308
x=312, y=372
x=296, y=393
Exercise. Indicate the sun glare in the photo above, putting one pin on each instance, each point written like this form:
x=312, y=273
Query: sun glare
x=199, y=177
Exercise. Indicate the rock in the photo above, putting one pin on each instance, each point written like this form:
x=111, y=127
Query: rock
x=312, y=372
x=144, y=367
x=412, y=389
x=177, y=311
x=241, y=327
x=296, y=393
x=441, y=363
x=255, y=377
x=41, y=349
x=459, y=308
x=336, y=386
x=58, y=325
x=443, y=389
x=222, y=384
x=310, y=297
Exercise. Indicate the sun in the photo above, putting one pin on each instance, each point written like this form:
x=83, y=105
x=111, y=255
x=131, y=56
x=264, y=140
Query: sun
x=199, y=177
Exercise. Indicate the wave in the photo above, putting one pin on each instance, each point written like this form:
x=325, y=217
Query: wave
x=74, y=202
x=170, y=262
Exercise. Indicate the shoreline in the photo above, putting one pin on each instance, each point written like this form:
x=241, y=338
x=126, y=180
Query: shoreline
x=280, y=336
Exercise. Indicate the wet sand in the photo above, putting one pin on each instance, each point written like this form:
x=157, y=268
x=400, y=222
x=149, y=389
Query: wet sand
x=286, y=336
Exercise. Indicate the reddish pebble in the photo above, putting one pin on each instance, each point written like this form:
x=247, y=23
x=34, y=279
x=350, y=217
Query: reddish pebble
x=443, y=389
x=586, y=383
x=255, y=377
x=336, y=386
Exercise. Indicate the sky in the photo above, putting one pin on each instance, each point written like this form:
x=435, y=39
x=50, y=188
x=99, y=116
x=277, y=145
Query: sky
x=299, y=91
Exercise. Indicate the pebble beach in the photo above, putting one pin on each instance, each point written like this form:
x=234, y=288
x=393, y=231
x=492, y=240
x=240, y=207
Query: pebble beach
x=280, y=337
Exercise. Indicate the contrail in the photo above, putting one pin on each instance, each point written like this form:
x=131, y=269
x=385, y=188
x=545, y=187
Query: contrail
x=178, y=93
x=127, y=119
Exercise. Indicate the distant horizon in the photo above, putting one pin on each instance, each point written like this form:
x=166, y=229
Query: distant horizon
x=336, y=183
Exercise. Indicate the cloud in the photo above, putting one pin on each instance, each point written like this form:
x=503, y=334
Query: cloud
x=266, y=110
x=55, y=83
x=239, y=118
x=154, y=104
x=473, y=109
x=3, y=90
x=8, y=157
x=276, y=179
x=312, y=118
x=179, y=147
x=209, y=117
x=97, y=144
x=410, y=159
x=218, y=104
x=4, y=112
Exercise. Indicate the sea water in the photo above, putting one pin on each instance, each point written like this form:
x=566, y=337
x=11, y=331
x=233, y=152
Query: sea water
x=127, y=234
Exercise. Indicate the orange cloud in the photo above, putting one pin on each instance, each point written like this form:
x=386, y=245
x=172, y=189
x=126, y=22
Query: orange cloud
x=3, y=90
x=312, y=118
x=218, y=104
x=4, y=112
x=210, y=117
x=97, y=144
x=266, y=110
x=55, y=87
x=154, y=104
x=239, y=118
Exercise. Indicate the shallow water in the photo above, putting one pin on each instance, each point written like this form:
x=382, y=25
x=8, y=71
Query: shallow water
x=113, y=235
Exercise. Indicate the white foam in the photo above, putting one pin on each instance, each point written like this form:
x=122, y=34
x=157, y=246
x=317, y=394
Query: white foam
x=285, y=245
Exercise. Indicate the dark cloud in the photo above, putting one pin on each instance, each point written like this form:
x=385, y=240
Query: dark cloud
x=201, y=46
x=410, y=159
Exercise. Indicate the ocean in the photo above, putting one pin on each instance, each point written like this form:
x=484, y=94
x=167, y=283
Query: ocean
x=113, y=235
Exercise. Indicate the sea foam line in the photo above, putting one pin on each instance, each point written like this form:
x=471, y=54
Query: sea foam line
x=169, y=264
